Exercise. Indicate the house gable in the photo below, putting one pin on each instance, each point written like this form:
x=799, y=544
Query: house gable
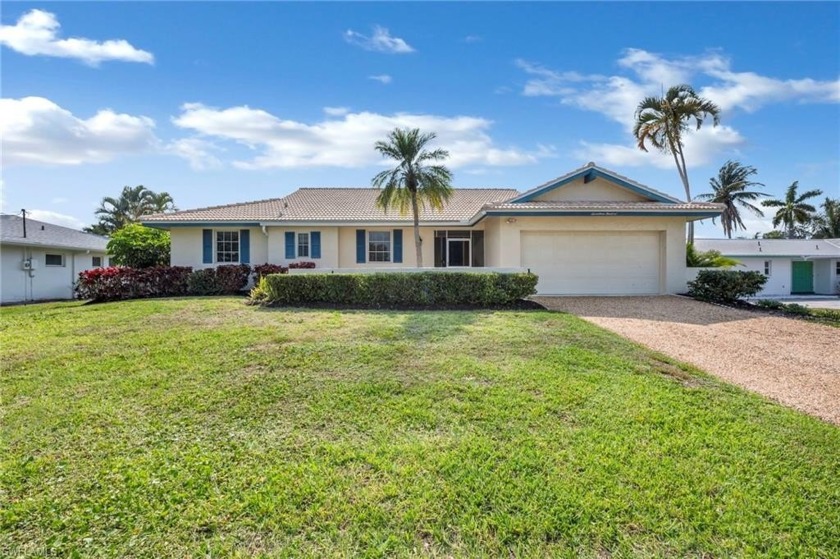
x=597, y=190
x=593, y=183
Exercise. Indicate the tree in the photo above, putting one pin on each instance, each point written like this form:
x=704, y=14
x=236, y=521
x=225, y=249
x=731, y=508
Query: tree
x=826, y=225
x=730, y=189
x=793, y=210
x=414, y=182
x=709, y=259
x=138, y=246
x=771, y=235
x=132, y=204
x=662, y=122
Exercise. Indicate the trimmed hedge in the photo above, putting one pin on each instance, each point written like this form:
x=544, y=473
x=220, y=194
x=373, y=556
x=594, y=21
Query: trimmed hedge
x=398, y=289
x=726, y=286
x=118, y=282
x=262, y=270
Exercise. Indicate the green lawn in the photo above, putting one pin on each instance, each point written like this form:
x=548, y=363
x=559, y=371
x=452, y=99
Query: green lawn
x=187, y=427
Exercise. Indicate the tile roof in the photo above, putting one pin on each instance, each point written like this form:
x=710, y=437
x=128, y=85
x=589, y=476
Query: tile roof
x=337, y=205
x=39, y=233
x=827, y=248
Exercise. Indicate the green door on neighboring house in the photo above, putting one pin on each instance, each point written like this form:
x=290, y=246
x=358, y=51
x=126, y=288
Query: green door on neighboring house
x=803, y=277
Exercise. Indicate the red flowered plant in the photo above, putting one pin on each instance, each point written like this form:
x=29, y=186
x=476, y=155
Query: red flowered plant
x=302, y=265
x=265, y=269
x=120, y=282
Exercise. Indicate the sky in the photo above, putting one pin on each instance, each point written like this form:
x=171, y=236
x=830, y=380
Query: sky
x=220, y=103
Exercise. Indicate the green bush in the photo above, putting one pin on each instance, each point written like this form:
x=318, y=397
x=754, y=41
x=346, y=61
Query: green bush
x=137, y=246
x=227, y=279
x=725, y=286
x=769, y=304
x=395, y=289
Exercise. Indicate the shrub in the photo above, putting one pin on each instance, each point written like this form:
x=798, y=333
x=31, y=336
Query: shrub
x=796, y=308
x=709, y=259
x=769, y=304
x=302, y=265
x=226, y=279
x=118, y=282
x=264, y=269
x=725, y=286
x=137, y=246
x=396, y=289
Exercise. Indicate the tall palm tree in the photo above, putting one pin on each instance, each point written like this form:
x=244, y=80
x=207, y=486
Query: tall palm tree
x=793, y=210
x=132, y=203
x=415, y=181
x=827, y=224
x=662, y=122
x=730, y=189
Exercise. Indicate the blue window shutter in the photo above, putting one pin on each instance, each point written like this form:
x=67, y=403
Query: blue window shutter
x=360, y=246
x=207, y=243
x=290, y=245
x=315, y=244
x=245, y=246
x=398, y=246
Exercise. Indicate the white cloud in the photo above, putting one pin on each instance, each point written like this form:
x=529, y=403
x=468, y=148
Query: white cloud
x=346, y=141
x=55, y=218
x=197, y=152
x=473, y=39
x=380, y=41
x=617, y=97
x=382, y=78
x=336, y=111
x=36, y=33
x=59, y=200
x=37, y=131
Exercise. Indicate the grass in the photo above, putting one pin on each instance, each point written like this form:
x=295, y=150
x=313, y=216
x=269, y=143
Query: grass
x=187, y=427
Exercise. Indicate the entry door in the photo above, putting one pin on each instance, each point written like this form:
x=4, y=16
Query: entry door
x=457, y=252
x=803, y=277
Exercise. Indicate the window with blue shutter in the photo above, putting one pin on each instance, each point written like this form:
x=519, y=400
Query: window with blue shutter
x=315, y=244
x=245, y=246
x=207, y=244
x=360, y=246
x=398, y=246
x=290, y=245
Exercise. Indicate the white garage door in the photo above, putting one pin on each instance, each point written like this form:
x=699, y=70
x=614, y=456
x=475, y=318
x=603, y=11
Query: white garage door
x=610, y=263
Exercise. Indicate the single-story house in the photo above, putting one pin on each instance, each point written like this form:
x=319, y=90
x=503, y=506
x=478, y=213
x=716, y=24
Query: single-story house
x=41, y=261
x=590, y=231
x=792, y=266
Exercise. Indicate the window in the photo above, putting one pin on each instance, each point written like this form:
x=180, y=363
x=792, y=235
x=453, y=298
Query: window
x=837, y=267
x=303, y=245
x=54, y=260
x=459, y=248
x=768, y=267
x=227, y=246
x=96, y=262
x=379, y=246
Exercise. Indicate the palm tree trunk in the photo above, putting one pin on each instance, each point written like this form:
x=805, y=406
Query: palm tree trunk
x=418, y=243
x=676, y=149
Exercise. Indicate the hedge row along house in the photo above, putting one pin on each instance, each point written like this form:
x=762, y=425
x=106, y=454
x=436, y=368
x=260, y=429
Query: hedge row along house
x=590, y=231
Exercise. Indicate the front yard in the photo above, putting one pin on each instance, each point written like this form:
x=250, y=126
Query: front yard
x=186, y=427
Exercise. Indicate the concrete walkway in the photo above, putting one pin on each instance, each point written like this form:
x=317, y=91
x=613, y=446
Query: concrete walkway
x=791, y=361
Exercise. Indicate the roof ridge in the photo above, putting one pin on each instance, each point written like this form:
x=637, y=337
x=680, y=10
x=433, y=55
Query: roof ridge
x=217, y=207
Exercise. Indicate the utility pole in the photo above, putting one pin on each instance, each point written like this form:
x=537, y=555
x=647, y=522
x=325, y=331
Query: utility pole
x=24, y=222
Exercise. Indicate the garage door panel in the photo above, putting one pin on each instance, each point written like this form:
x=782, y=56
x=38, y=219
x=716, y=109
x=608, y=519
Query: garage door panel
x=593, y=263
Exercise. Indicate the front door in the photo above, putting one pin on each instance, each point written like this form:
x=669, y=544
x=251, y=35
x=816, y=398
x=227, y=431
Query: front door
x=457, y=252
x=803, y=277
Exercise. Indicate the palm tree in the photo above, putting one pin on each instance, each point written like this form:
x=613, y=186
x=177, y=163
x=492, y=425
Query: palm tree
x=662, y=122
x=132, y=204
x=793, y=210
x=414, y=182
x=827, y=224
x=730, y=189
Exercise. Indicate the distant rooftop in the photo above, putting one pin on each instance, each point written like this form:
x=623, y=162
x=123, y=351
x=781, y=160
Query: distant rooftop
x=810, y=248
x=39, y=233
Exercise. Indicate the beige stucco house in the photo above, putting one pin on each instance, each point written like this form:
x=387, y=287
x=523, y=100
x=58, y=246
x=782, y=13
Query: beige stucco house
x=590, y=231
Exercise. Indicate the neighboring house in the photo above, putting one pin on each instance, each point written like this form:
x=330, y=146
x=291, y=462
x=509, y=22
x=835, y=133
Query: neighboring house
x=792, y=266
x=46, y=261
x=590, y=231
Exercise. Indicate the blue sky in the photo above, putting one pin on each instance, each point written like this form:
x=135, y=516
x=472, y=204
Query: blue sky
x=228, y=102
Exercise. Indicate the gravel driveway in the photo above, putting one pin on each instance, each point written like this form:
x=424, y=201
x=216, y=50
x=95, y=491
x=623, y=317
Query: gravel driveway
x=791, y=361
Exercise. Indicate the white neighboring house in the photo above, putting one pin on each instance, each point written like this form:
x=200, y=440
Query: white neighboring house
x=792, y=266
x=588, y=232
x=45, y=263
